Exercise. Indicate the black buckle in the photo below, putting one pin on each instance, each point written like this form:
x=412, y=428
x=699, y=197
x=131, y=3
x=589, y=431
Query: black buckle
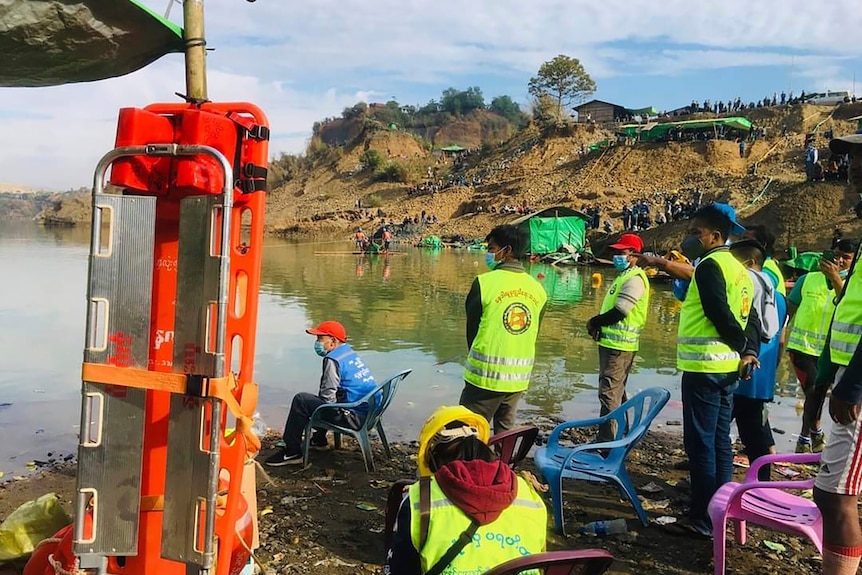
x=250, y=186
x=258, y=132
x=197, y=385
x=250, y=170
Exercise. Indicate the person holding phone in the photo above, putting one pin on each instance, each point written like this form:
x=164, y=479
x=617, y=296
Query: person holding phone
x=810, y=306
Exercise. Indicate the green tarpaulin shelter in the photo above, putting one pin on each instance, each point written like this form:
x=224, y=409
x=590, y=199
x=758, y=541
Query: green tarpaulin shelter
x=54, y=42
x=431, y=242
x=552, y=227
x=453, y=148
x=650, y=132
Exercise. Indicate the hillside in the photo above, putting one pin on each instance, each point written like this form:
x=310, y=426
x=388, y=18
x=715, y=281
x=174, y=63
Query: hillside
x=321, y=190
x=766, y=185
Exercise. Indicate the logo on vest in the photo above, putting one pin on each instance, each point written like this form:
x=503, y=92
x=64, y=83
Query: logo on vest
x=517, y=318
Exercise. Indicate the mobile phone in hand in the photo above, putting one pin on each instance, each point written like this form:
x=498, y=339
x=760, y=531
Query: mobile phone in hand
x=829, y=255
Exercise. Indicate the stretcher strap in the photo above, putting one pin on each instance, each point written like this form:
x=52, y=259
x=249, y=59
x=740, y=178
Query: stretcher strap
x=186, y=384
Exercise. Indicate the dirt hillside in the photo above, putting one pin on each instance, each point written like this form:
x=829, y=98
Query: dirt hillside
x=339, y=191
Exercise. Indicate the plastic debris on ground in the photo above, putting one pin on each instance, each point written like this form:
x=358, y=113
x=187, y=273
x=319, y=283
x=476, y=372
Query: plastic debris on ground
x=366, y=507
x=665, y=520
x=32, y=522
x=786, y=472
x=651, y=487
x=651, y=505
x=774, y=546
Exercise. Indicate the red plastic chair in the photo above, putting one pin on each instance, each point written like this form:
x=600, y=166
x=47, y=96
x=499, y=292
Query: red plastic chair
x=583, y=562
x=514, y=445
x=764, y=503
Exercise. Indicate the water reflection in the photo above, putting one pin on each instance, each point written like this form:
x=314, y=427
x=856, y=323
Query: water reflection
x=401, y=311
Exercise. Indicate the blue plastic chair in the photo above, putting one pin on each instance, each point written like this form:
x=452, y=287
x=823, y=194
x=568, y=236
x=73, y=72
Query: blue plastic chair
x=377, y=401
x=602, y=461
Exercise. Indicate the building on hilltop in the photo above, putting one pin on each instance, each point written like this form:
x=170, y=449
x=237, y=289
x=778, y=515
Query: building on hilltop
x=601, y=112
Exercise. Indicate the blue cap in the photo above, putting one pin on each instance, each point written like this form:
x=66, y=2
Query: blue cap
x=736, y=229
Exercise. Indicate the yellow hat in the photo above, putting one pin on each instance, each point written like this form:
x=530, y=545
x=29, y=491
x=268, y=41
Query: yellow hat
x=438, y=421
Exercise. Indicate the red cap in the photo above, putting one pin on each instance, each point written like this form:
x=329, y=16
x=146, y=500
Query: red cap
x=629, y=242
x=332, y=328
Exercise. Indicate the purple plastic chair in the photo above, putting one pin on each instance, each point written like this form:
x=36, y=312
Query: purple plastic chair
x=764, y=503
x=515, y=444
x=583, y=562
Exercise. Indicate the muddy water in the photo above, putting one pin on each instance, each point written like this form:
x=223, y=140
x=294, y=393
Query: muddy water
x=401, y=312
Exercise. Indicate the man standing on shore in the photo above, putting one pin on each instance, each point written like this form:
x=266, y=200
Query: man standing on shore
x=618, y=327
x=504, y=309
x=839, y=481
x=712, y=351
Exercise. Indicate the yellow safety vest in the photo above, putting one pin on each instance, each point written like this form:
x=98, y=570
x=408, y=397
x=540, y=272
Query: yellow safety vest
x=502, y=355
x=625, y=334
x=847, y=323
x=811, y=322
x=520, y=530
x=772, y=266
x=699, y=347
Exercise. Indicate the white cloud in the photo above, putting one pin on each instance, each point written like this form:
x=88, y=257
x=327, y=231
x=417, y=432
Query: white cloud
x=302, y=61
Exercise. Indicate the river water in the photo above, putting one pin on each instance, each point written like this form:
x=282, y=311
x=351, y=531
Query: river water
x=403, y=311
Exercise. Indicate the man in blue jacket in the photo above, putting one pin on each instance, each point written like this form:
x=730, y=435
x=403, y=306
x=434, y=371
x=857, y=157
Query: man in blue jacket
x=345, y=379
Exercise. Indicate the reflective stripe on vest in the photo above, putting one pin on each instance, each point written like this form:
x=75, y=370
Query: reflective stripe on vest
x=700, y=349
x=520, y=530
x=771, y=265
x=811, y=322
x=847, y=323
x=502, y=355
x=625, y=334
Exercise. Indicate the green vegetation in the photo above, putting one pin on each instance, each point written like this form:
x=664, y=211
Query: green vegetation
x=563, y=79
x=394, y=172
x=372, y=201
x=372, y=159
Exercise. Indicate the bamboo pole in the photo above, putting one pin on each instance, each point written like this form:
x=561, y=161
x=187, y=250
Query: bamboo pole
x=196, y=50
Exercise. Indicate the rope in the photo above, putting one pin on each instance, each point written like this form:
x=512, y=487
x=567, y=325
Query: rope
x=250, y=552
x=290, y=244
x=48, y=540
x=59, y=570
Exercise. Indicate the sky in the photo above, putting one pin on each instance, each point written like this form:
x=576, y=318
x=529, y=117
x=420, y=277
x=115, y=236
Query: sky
x=304, y=61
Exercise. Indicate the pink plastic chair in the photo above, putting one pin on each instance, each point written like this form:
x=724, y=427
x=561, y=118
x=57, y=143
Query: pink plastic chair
x=764, y=503
x=584, y=562
x=515, y=444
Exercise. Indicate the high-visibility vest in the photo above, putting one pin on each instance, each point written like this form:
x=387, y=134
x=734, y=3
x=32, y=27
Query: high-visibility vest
x=625, y=334
x=700, y=348
x=847, y=323
x=771, y=267
x=811, y=322
x=520, y=530
x=502, y=355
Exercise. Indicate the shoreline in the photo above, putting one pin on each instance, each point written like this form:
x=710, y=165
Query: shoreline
x=327, y=519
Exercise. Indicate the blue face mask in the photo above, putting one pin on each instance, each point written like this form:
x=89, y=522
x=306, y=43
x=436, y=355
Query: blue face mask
x=319, y=349
x=621, y=262
x=843, y=274
x=490, y=260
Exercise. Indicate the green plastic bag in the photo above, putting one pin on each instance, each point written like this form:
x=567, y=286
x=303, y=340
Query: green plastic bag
x=29, y=524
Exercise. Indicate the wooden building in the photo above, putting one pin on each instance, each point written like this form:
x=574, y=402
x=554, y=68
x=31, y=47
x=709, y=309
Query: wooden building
x=601, y=112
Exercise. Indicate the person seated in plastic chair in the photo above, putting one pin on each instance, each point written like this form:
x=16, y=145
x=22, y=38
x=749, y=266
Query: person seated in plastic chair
x=345, y=379
x=469, y=511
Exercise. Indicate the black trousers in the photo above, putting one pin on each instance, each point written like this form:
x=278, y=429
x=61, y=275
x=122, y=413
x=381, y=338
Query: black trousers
x=301, y=408
x=752, y=421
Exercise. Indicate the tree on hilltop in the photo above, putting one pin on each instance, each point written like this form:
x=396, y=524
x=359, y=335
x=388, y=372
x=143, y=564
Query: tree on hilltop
x=459, y=102
x=506, y=107
x=564, y=79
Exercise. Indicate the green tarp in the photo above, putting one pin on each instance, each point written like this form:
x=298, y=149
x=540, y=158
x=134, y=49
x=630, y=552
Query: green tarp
x=547, y=234
x=807, y=261
x=648, y=111
x=432, y=242
x=453, y=148
x=657, y=131
x=53, y=42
